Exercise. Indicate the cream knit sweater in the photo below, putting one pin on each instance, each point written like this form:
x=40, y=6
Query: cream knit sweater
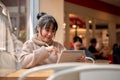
x=34, y=53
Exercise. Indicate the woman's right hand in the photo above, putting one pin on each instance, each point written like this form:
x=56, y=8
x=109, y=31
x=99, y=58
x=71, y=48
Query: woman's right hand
x=52, y=49
x=49, y=48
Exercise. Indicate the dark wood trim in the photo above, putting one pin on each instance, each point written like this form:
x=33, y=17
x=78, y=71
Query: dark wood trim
x=98, y=5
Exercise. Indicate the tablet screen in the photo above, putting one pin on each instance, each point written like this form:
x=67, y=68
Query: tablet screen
x=70, y=55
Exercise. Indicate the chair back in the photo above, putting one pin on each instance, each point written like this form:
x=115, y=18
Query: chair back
x=55, y=67
x=88, y=72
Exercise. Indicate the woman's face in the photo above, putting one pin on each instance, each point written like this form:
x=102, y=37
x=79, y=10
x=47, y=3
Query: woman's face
x=77, y=45
x=47, y=34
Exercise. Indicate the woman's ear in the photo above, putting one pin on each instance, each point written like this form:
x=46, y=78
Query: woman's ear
x=38, y=29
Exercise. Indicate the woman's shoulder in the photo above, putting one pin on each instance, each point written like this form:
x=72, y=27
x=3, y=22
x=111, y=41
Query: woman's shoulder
x=28, y=43
x=28, y=46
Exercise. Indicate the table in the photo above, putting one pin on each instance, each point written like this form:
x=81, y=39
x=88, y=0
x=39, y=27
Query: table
x=99, y=61
x=40, y=75
x=102, y=61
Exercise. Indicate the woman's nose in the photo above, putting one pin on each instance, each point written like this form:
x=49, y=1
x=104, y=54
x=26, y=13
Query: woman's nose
x=50, y=33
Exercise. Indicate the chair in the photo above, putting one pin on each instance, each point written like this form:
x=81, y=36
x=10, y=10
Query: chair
x=89, y=72
x=91, y=59
x=55, y=67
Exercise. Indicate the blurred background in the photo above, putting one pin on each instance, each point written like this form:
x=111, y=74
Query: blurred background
x=86, y=18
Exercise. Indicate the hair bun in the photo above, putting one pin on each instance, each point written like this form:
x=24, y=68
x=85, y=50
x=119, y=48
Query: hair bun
x=40, y=14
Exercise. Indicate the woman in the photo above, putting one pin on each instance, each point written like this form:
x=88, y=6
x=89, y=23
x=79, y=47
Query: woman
x=41, y=49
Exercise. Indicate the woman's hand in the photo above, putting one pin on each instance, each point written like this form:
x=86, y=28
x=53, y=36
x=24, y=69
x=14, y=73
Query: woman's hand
x=52, y=49
x=81, y=59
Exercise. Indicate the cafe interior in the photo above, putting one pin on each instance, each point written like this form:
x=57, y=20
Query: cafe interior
x=87, y=19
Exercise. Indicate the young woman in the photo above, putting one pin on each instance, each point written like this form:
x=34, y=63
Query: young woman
x=41, y=49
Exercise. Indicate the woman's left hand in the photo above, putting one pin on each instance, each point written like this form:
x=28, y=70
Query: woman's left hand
x=81, y=59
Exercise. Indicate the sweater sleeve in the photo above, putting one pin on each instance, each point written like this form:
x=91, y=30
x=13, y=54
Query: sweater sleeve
x=30, y=57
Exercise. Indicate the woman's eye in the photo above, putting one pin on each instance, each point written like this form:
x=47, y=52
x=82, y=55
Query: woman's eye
x=47, y=30
x=53, y=31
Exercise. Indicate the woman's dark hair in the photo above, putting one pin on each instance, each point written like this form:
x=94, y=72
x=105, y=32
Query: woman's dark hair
x=40, y=14
x=77, y=38
x=45, y=21
x=93, y=40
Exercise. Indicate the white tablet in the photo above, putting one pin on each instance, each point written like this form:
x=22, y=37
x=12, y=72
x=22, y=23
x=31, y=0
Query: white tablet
x=70, y=55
